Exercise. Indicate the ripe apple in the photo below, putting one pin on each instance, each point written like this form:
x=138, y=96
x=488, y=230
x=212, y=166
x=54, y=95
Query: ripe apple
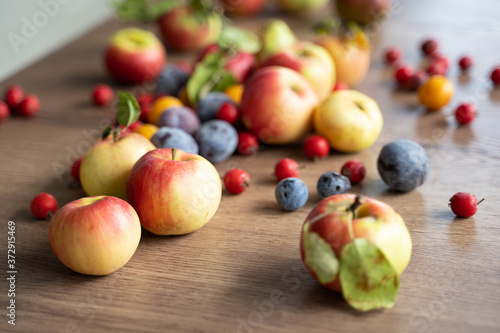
x=277, y=105
x=239, y=64
x=350, y=120
x=323, y=238
x=95, y=235
x=362, y=11
x=106, y=166
x=135, y=56
x=243, y=7
x=351, y=56
x=298, y=6
x=174, y=192
x=184, y=30
x=312, y=61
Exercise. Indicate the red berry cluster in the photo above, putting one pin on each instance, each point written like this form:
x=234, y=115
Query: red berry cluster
x=16, y=102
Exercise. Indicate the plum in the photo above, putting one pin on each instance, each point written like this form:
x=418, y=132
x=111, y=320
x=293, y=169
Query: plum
x=180, y=117
x=168, y=137
x=331, y=183
x=291, y=193
x=170, y=81
x=208, y=106
x=217, y=140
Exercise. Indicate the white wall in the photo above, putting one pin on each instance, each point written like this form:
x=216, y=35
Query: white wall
x=31, y=29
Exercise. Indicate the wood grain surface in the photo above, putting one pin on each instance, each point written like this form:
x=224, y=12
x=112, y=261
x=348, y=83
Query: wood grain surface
x=224, y=277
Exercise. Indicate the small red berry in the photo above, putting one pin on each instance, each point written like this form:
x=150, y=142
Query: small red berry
x=145, y=108
x=495, y=76
x=403, y=74
x=354, y=170
x=442, y=60
x=465, y=63
x=465, y=113
x=4, y=111
x=145, y=98
x=286, y=168
x=436, y=68
x=14, y=96
x=341, y=86
x=135, y=125
x=29, y=107
x=429, y=46
x=247, y=143
x=464, y=204
x=102, y=95
x=393, y=54
x=43, y=205
x=415, y=81
x=75, y=169
x=228, y=112
x=316, y=146
x=236, y=181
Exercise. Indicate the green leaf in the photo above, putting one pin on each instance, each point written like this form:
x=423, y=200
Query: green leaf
x=144, y=10
x=106, y=132
x=209, y=75
x=319, y=257
x=239, y=39
x=128, y=110
x=368, y=279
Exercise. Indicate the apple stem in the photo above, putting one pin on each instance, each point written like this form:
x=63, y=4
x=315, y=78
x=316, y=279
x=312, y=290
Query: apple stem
x=480, y=201
x=173, y=153
x=116, y=134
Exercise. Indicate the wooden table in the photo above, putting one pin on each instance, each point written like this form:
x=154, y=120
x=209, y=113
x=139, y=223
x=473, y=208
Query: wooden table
x=220, y=278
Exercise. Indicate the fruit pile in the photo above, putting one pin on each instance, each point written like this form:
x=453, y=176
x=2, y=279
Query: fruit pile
x=245, y=90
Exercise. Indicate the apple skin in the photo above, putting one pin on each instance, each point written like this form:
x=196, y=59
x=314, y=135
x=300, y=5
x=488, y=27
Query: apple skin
x=174, y=197
x=240, y=65
x=243, y=7
x=95, y=235
x=351, y=61
x=183, y=31
x=298, y=6
x=362, y=11
x=350, y=120
x=135, y=56
x=106, y=166
x=376, y=221
x=312, y=61
x=277, y=105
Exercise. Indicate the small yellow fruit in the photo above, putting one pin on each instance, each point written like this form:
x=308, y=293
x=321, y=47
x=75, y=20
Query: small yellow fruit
x=147, y=130
x=235, y=92
x=160, y=105
x=435, y=93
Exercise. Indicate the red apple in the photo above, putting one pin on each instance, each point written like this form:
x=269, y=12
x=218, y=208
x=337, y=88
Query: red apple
x=240, y=64
x=174, y=192
x=350, y=55
x=135, y=56
x=243, y=7
x=95, y=235
x=277, y=105
x=106, y=166
x=362, y=11
x=312, y=61
x=325, y=233
x=183, y=29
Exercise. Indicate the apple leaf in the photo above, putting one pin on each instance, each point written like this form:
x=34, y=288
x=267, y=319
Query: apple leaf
x=239, y=39
x=144, y=10
x=319, y=257
x=128, y=110
x=209, y=75
x=368, y=279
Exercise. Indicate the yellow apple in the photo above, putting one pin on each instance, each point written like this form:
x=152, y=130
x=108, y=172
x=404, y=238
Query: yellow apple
x=350, y=120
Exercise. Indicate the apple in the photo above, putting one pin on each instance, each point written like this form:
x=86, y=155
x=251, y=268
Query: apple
x=277, y=105
x=106, y=166
x=312, y=61
x=350, y=55
x=275, y=36
x=243, y=7
x=95, y=235
x=350, y=120
x=299, y=6
x=325, y=232
x=135, y=56
x=362, y=11
x=183, y=29
x=240, y=64
x=174, y=192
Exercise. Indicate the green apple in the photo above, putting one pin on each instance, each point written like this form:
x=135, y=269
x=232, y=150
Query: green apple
x=275, y=36
x=106, y=166
x=350, y=120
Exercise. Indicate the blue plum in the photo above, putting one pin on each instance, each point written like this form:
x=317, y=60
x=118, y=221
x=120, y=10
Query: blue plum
x=168, y=137
x=180, y=117
x=217, y=140
x=331, y=183
x=291, y=194
x=170, y=81
x=208, y=106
